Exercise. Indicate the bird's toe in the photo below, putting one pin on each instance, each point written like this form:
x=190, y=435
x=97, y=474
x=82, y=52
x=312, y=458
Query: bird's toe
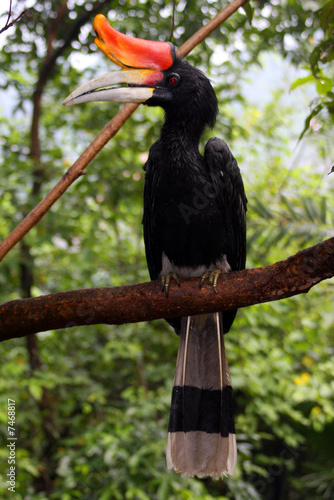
x=212, y=277
x=166, y=279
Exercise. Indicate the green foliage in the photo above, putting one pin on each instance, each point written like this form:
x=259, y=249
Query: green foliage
x=102, y=432
x=320, y=69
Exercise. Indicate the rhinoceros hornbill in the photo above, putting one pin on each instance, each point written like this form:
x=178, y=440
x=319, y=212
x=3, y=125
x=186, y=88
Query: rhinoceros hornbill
x=194, y=225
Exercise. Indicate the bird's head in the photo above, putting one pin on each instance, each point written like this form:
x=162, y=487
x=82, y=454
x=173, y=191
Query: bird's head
x=151, y=74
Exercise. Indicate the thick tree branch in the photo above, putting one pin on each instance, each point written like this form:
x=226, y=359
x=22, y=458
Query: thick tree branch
x=145, y=301
x=104, y=136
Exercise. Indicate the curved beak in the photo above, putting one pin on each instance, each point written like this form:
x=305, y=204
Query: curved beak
x=142, y=63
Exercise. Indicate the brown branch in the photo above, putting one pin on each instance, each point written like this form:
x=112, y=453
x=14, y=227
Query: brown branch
x=47, y=68
x=10, y=24
x=206, y=30
x=145, y=301
x=53, y=29
x=43, y=77
x=104, y=136
x=173, y=21
x=68, y=178
x=45, y=403
x=72, y=34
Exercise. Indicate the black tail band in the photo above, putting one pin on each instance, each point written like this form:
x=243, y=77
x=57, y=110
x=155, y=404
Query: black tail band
x=206, y=410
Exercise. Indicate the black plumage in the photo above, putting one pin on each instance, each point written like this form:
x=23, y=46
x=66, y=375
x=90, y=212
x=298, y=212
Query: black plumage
x=195, y=221
x=194, y=205
x=194, y=225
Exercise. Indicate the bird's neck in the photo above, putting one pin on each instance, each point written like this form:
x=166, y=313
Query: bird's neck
x=179, y=149
x=181, y=133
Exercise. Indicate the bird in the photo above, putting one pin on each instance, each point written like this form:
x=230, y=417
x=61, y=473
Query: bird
x=194, y=225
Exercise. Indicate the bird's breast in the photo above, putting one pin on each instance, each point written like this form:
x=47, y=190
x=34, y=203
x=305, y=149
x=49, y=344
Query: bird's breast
x=187, y=223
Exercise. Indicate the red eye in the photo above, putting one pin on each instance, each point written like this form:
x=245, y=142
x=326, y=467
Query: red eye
x=173, y=79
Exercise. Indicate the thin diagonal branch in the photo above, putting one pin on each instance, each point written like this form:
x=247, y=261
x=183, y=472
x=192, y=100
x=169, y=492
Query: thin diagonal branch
x=104, y=136
x=173, y=22
x=9, y=24
x=71, y=35
x=206, y=30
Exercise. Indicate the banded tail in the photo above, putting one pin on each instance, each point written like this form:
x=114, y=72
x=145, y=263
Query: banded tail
x=201, y=434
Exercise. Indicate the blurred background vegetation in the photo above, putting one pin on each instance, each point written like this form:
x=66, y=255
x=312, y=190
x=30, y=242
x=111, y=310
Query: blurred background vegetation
x=93, y=402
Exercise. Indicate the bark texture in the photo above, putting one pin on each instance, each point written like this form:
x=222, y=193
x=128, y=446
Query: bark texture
x=145, y=301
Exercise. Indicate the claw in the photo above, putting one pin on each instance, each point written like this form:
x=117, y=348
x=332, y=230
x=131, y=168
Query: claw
x=166, y=279
x=212, y=277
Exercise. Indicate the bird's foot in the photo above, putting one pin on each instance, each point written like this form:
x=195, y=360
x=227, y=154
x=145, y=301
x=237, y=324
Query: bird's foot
x=165, y=281
x=212, y=277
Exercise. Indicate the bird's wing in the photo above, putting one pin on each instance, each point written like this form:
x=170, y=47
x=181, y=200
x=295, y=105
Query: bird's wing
x=153, y=253
x=231, y=198
x=231, y=202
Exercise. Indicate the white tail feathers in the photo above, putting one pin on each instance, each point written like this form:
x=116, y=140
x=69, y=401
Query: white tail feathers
x=201, y=437
x=201, y=454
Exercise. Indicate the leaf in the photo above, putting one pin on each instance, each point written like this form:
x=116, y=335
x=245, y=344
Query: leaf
x=249, y=11
x=323, y=209
x=326, y=16
x=293, y=213
x=307, y=122
x=301, y=81
x=323, y=85
x=35, y=390
x=310, y=209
